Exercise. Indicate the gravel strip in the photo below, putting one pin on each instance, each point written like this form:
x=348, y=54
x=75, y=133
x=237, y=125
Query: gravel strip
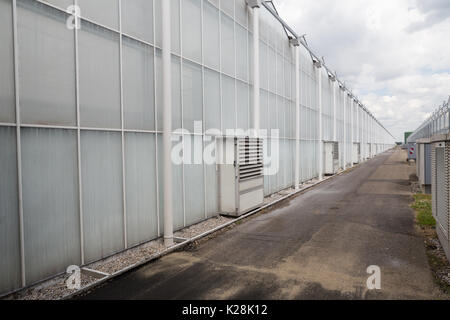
x=129, y=257
x=53, y=289
x=202, y=227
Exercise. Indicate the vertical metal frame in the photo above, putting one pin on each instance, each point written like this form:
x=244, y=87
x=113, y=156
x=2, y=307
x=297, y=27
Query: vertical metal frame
x=18, y=142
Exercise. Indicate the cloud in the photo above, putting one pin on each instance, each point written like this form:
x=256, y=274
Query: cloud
x=401, y=76
x=433, y=11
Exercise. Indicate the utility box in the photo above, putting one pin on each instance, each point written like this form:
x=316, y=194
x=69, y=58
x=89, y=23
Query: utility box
x=356, y=152
x=241, y=174
x=331, y=157
x=423, y=161
x=440, y=189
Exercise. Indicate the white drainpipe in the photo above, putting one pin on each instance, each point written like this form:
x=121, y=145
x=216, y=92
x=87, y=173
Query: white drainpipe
x=167, y=124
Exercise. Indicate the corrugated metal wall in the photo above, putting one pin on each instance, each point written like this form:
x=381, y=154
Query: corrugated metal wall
x=91, y=119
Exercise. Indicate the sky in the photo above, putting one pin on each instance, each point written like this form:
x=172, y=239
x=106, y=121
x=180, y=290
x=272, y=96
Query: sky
x=393, y=54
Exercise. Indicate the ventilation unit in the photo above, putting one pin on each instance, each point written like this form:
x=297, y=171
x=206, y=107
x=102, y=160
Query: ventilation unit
x=331, y=157
x=241, y=175
x=440, y=190
x=423, y=161
x=356, y=152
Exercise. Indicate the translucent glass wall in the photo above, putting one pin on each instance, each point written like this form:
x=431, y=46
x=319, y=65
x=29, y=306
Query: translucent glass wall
x=81, y=121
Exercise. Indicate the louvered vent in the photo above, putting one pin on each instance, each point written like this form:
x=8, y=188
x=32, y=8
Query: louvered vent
x=250, y=158
x=336, y=151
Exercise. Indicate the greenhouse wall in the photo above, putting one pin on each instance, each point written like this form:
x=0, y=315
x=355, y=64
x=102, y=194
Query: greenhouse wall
x=81, y=121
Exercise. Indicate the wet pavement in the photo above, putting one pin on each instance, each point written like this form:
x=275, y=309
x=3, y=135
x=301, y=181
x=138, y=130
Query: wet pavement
x=316, y=245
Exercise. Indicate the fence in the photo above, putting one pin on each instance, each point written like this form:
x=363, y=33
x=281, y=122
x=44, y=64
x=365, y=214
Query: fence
x=438, y=122
x=81, y=121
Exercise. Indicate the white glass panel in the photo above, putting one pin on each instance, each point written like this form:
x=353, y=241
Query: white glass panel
x=176, y=93
x=9, y=213
x=241, y=11
x=99, y=77
x=63, y=4
x=228, y=103
x=227, y=6
x=47, y=65
x=212, y=196
x=211, y=36
x=242, y=105
x=138, y=85
x=192, y=95
x=7, y=101
x=177, y=185
x=241, y=53
x=50, y=201
x=228, y=54
x=105, y=12
x=192, y=29
x=137, y=19
x=101, y=164
x=212, y=100
x=194, y=185
x=175, y=27
x=140, y=161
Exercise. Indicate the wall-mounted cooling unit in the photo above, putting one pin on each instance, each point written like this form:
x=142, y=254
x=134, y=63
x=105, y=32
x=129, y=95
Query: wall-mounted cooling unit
x=356, y=152
x=241, y=174
x=440, y=189
x=331, y=157
x=423, y=161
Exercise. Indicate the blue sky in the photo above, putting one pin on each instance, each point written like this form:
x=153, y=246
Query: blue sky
x=392, y=53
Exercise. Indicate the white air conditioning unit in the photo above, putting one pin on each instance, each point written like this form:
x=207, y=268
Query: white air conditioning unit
x=440, y=189
x=241, y=174
x=331, y=157
x=356, y=152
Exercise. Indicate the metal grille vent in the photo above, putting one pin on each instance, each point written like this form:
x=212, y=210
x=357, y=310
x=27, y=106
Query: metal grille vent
x=250, y=158
x=336, y=151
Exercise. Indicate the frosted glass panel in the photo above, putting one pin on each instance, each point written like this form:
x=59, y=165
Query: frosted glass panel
x=228, y=103
x=99, y=77
x=138, y=85
x=241, y=53
x=47, y=65
x=7, y=102
x=9, y=214
x=63, y=4
x=177, y=185
x=105, y=12
x=101, y=164
x=192, y=95
x=194, y=185
x=175, y=26
x=50, y=201
x=228, y=45
x=242, y=105
x=137, y=19
x=241, y=12
x=212, y=99
x=140, y=162
x=176, y=93
x=227, y=6
x=192, y=29
x=212, y=196
x=211, y=36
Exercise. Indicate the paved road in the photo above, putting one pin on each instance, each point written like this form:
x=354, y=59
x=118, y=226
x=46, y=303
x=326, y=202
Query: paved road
x=314, y=246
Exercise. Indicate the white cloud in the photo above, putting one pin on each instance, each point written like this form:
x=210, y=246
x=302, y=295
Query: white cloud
x=394, y=54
